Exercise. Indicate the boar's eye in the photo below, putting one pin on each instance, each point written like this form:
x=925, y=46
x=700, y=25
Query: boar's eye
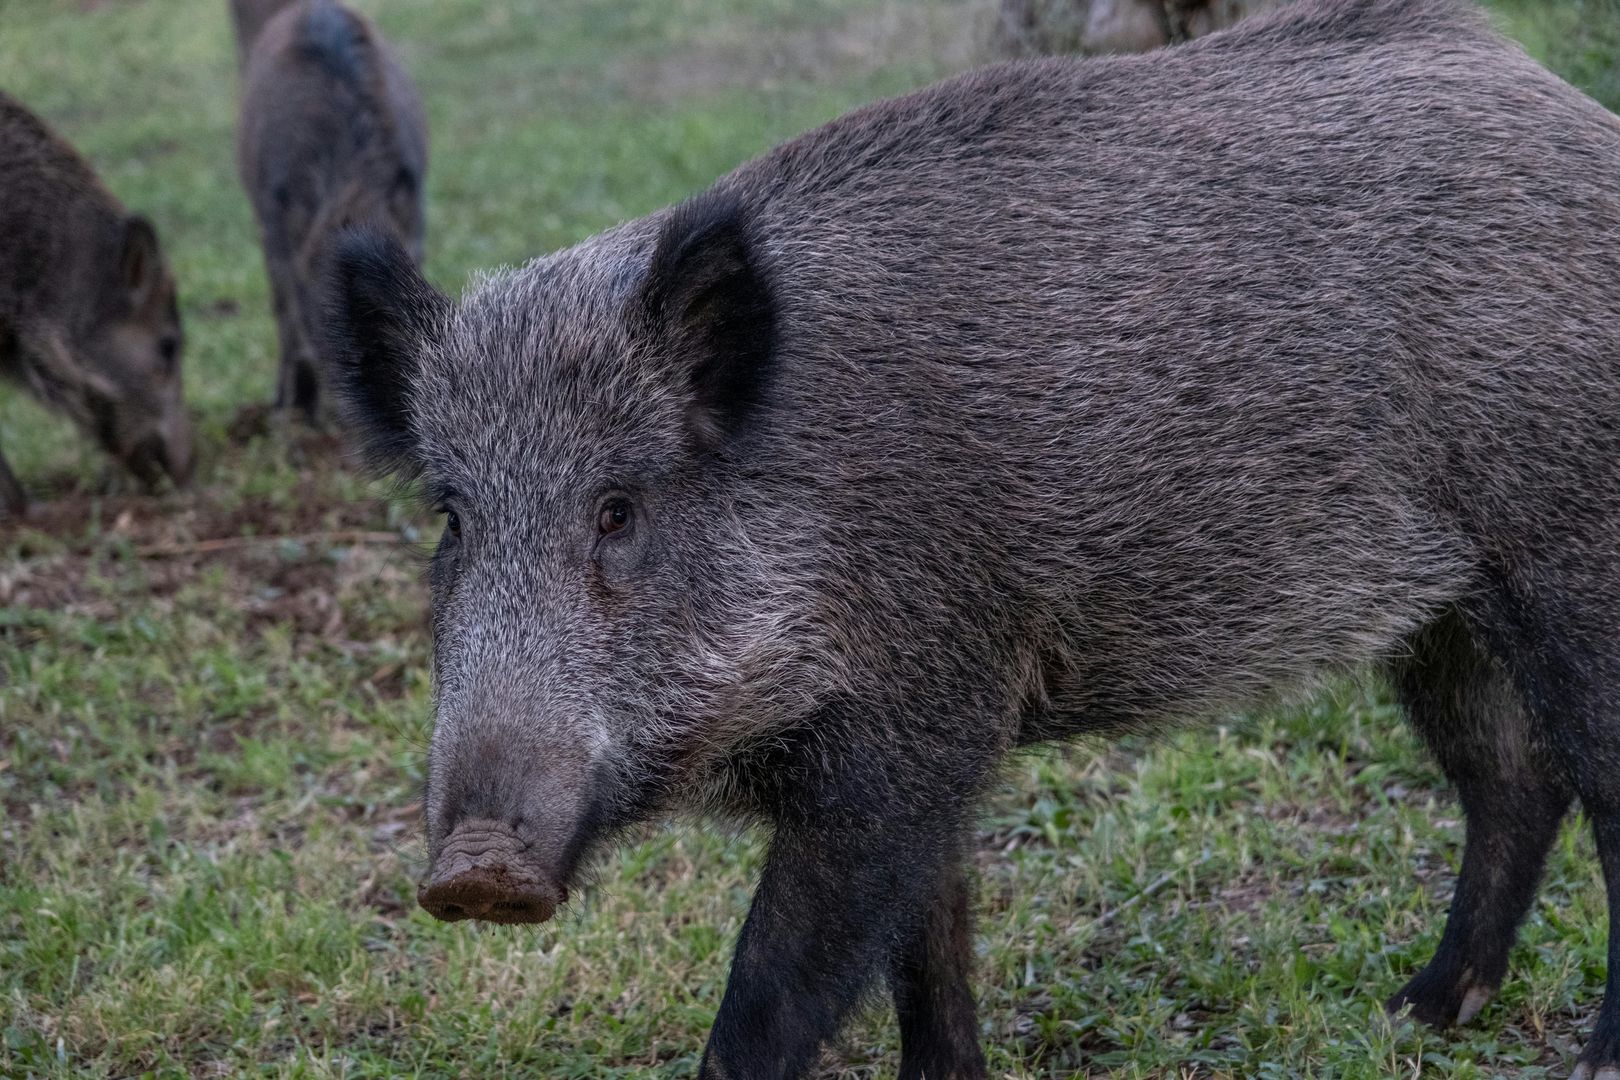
x=613, y=516
x=452, y=523
x=169, y=351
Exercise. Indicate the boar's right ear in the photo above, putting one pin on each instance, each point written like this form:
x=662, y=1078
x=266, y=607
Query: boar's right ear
x=381, y=316
x=706, y=300
x=140, y=262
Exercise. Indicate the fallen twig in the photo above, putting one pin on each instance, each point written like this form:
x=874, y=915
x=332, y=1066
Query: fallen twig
x=1152, y=889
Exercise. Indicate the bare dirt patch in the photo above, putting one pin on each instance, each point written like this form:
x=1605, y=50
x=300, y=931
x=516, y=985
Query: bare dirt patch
x=65, y=515
x=312, y=560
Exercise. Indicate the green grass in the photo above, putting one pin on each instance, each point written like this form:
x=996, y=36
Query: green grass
x=211, y=745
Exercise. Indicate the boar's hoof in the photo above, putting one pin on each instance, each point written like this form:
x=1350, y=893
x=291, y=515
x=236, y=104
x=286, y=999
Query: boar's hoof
x=1473, y=1001
x=1441, y=1002
x=1584, y=1071
x=493, y=893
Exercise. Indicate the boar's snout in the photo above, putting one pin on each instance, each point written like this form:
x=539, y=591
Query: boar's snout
x=165, y=452
x=179, y=458
x=484, y=871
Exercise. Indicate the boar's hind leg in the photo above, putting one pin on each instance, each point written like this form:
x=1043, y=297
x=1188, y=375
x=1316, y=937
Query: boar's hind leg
x=1473, y=719
x=1568, y=667
x=1600, y=1060
x=939, y=1034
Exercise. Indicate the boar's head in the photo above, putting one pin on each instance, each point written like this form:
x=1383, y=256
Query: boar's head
x=601, y=602
x=123, y=381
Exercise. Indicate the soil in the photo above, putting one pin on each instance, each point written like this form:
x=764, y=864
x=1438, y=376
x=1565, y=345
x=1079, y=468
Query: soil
x=311, y=559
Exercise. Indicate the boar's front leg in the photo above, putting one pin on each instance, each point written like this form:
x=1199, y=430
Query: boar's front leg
x=13, y=500
x=939, y=1031
x=296, y=383
x=854, y=870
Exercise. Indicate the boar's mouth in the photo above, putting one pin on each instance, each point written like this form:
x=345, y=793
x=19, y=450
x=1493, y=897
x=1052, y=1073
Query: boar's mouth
x=486, y=871
x=148, y=461
x=151, y=460
x=156, y=455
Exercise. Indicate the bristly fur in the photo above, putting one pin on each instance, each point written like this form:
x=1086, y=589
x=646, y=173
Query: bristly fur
x=1096, y=396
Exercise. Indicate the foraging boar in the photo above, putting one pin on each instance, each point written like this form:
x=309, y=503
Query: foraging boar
x=1062, y=397
x=248, y=18
x=331, y=134
x=88, y=319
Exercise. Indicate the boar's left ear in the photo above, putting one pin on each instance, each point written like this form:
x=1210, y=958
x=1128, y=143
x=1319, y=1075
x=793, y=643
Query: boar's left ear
x=140, y=262
x=380, y=317
x=706, y=299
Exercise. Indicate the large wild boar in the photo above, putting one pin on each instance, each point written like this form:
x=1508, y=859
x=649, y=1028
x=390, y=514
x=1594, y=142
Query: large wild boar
x=88, y=319
x=1063, y=397
x=331, y=134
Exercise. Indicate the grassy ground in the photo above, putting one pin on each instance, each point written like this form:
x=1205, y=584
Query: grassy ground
x=213, y=705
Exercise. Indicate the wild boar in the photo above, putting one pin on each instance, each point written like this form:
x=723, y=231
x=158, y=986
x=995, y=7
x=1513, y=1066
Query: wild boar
x=89, y=322
x=331, y=133
x=1064, y=397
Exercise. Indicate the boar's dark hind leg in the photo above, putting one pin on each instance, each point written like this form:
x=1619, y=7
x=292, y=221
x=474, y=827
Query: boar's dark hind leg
x=1473, y=718
x=1600, y=1060
x=1566, y=618
x=929, y=972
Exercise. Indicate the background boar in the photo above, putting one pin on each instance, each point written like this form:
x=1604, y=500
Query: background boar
x=1061, y=398
x=88, y=320
x=1030, y=27
x=331, y=134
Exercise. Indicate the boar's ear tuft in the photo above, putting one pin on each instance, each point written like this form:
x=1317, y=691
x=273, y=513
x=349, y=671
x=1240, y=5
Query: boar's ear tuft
x=707, y=299
x=381, y=316
x=140, y=262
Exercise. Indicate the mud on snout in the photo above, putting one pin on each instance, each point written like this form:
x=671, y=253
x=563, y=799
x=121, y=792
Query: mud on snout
x=486, y=870
x=505, y=839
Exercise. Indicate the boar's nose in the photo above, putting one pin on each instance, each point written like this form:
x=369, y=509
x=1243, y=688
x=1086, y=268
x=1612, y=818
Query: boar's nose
x=178, y=461
x=481, y=873
x=147, y=460
x=155, y=455
x=490, y=893
x=177, y=450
